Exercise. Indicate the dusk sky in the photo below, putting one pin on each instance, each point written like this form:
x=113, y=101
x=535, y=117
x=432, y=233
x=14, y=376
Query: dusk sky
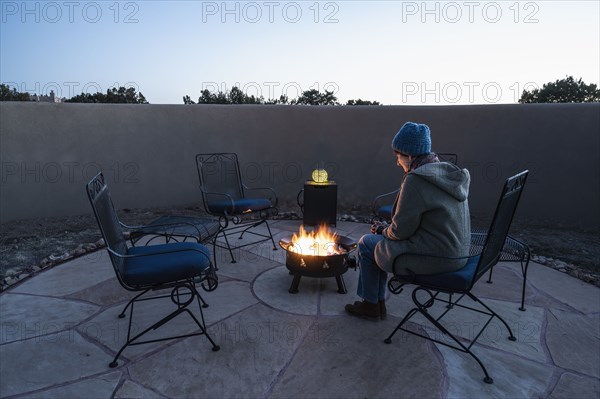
x=395, y=52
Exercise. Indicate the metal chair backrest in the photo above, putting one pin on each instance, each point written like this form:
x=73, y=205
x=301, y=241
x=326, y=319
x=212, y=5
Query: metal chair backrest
x=503, y=216
x=219, y=173
x=108, y=221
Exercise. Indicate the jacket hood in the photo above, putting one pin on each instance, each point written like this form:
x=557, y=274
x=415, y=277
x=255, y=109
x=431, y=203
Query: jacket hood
x=446, y=176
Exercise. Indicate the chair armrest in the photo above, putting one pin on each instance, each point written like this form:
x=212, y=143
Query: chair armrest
x=273, y=193
x=205, y=193
x=213, y=193
x=375, y=206
x=143, y=226
x=139, y=229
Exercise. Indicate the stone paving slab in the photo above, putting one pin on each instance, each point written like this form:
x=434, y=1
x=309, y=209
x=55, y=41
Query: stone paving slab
x=353, y=230
x=71, y=277
x=514, y=377
x=131, y=390
x=43, y=316
x=255, y=346
x=271, y=287
x=579, y=295
x=82, y=389
x=571, y=386
x=248, y=265
x=331, y=302
x=46, y=361
x=574, y=341
x=105, y=293
x=345, y=357
x=265, y=249
x=290, y=226
x=507, y=283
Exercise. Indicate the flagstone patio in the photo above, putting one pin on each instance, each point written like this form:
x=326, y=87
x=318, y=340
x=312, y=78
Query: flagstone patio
x=59, y=331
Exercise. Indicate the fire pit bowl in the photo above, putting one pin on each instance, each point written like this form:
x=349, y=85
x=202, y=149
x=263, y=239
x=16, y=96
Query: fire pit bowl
x=319, y=265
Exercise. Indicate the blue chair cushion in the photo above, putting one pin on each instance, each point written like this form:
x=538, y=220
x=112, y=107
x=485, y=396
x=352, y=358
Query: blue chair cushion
x=165, y=263
x=458, y=280
x=385, y=212
x=242, y=205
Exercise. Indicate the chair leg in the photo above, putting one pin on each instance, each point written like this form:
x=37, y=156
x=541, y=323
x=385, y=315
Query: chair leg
x=524, y=270
x=422, y=309
x=182, y=307
x=130, y=303
x=450, y=304
x=253, y=225
x=203, y=325
x=130, y=341
x=489, y=280
x=228, y=247
x=511, y=336
x=487, y=379
x=410, y=314
x=271, y=236
x=215, y=347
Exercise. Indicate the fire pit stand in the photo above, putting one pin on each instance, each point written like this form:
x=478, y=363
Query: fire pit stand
x=319, y=265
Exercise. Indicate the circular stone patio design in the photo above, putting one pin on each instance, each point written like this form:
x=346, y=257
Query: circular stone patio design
x=317, y=296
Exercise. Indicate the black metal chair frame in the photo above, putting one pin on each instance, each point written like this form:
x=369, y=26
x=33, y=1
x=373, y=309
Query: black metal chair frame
x=177, y=229
x=376, y=204
x=183, y=291
x=242, y=223
x=487, y=258
x=513, y=251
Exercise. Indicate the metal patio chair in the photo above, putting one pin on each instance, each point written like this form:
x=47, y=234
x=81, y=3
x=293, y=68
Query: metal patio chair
x=177, y=266
x=461, y=282
x=381, y=207
x=225, y=195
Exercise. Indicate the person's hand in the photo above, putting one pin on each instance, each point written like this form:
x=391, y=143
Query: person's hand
x=377, y=227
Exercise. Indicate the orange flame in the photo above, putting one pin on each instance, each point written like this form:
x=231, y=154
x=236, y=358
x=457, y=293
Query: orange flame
x=319, y=243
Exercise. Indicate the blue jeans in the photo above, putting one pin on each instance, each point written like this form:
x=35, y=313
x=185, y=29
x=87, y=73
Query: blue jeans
x=372, y=281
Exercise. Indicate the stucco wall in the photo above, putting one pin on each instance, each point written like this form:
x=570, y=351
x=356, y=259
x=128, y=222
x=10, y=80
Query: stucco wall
x=49, y=151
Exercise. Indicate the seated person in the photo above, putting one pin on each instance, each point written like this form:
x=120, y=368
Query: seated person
x=430, y=216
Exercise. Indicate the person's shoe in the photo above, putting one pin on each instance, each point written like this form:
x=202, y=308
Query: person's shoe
x=364, y=309
x=382, y=309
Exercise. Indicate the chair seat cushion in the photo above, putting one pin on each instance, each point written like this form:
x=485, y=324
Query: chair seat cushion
x=385, y=212
x=242, y=205
x=165, y=263
x=458, y=280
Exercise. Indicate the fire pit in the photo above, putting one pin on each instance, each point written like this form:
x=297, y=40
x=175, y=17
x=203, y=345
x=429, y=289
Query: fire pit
x=318, y=254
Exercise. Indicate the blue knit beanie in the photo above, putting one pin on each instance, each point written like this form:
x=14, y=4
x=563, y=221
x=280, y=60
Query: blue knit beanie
x=412, y=139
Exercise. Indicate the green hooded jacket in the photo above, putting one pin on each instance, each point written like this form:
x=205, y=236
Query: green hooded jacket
x=430, y=217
